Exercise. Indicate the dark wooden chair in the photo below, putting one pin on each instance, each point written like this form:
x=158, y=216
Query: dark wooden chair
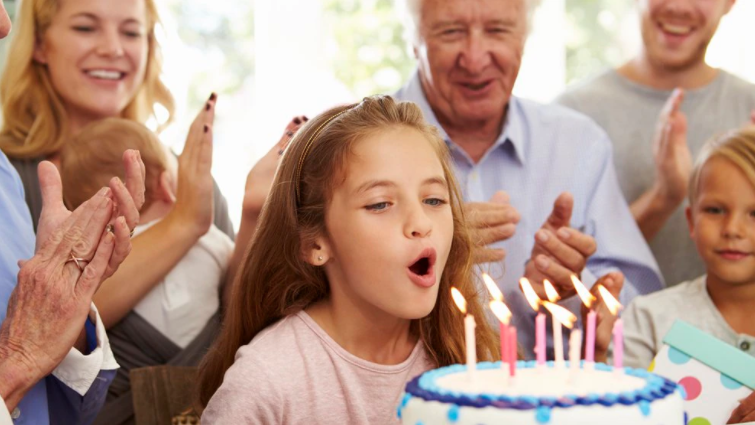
x=163, y=395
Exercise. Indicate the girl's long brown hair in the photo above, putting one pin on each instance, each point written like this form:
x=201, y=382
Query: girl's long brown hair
x=276, y=281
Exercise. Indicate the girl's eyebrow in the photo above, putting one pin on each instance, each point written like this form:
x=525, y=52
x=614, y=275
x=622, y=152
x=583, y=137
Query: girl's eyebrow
x=371, y=184
x=435, y=180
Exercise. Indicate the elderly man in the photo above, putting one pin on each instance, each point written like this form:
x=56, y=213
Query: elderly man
x=655, y=143
x=553, y=164
x=55, y=360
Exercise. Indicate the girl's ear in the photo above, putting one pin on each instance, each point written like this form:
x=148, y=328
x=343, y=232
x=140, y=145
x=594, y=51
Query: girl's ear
x=317, y=252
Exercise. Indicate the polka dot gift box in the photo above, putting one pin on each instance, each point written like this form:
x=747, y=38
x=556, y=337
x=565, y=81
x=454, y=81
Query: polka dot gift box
x=714, y=375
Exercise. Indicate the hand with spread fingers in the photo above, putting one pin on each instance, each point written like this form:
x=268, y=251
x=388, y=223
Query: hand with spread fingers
x=560, y=251
x=745, y=411
x=491, y=222
x=75, y=253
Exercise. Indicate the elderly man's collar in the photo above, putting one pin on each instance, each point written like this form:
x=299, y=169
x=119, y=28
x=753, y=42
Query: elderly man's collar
x=513, y=131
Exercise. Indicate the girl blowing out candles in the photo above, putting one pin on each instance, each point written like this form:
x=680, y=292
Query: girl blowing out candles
x=344, y=294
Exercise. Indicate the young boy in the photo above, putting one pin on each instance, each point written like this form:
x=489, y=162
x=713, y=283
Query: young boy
x=721, y=218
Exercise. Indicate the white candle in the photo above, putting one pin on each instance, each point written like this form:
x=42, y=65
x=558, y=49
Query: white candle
x=575, y=346
x=558, y=343
x=469, y=334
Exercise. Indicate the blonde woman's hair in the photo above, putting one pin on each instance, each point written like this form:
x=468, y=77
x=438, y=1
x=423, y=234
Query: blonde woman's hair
x=94, y=156
x=275, y=280
x=34, y=118
x=737, y=146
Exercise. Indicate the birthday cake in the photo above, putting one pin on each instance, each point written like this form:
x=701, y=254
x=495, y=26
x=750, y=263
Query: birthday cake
x=541, y=395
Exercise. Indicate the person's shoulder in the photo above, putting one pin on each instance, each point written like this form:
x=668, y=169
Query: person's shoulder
x=669, y=297
x=600, y=86
x=561, y=121
x=277, y=349
x=737, y=86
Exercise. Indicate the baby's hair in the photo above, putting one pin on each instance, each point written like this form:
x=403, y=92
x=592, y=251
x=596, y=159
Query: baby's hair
x=276, y=280
x=737, y=146
x=94, y=156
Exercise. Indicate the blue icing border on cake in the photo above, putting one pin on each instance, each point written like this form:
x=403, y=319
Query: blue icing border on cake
x=425, y=387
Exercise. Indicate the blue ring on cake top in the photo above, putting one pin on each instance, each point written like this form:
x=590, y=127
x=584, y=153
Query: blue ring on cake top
x=425, y=387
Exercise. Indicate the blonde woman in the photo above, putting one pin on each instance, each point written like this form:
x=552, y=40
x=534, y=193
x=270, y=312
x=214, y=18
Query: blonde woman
x=73, y=62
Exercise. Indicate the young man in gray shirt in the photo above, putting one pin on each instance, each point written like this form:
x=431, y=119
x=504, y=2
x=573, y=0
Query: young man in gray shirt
x=658, y=109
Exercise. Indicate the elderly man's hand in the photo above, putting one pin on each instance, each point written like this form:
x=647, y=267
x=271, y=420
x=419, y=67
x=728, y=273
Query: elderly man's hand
x=128, y=198
x=745, y=412
x=491, y=222
x=560, y=251
x=48, y=307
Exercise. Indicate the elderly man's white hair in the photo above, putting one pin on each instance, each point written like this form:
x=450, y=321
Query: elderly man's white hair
x=409, y=11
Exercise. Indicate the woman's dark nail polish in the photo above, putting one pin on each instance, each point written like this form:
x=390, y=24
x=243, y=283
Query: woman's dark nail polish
x=206, y=128
x=207, y=106
x=213, y=96
x=297, y=120
x=304, y=117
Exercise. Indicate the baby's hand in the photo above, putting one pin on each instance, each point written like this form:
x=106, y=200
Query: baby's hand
x=745, y=412
x=613, y=282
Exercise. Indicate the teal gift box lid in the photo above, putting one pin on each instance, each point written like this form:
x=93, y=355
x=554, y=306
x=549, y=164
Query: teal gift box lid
x=712, y=352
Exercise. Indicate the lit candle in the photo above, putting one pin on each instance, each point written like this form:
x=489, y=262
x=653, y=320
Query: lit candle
x=558, y=339
x=618, y=327
x=512, y=351
x=561, y=316
x=534, y=302
x=469, y=333
x=501, y=312
x=588, y=299
x=504, y=315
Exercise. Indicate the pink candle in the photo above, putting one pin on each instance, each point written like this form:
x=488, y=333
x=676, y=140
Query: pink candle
x=512, y=351
x=618, y=344
x=540, y=339
x=590, y=337
x=504, y=347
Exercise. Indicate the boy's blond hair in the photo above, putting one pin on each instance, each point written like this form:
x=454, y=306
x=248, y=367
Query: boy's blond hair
x=737, y=146
x=94, y=156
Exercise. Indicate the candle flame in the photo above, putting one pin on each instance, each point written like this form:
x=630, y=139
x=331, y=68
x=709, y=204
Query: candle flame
x=459, y=299
x=566, y=317
x=611, y=302
x=501, y=311
x=551, y=292
x=529, y=293
x=492, y=287
x=587, y=298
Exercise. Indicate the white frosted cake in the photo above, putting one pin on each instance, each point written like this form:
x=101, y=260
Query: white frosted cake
x=545, y=395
